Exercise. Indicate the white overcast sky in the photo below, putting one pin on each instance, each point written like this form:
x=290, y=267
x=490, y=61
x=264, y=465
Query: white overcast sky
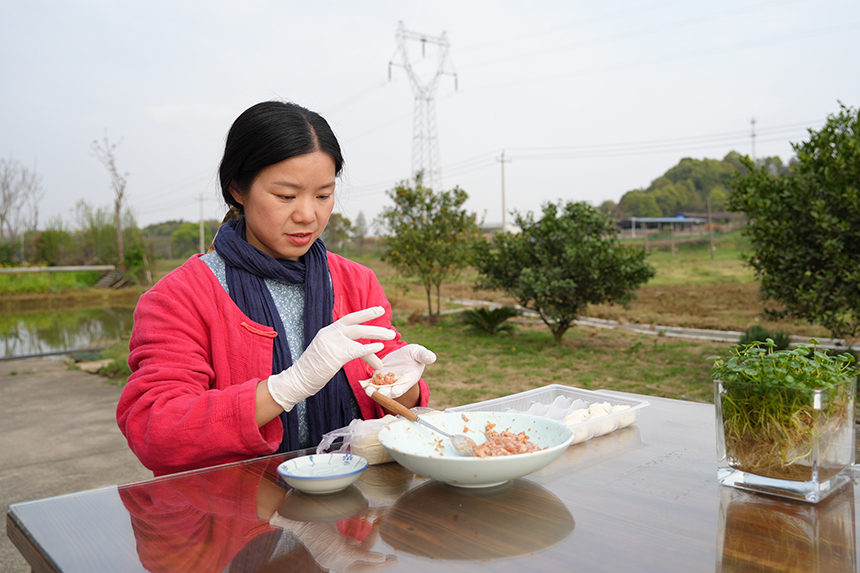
x=587, y=99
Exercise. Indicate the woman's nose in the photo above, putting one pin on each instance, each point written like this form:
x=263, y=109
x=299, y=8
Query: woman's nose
x=304, y=211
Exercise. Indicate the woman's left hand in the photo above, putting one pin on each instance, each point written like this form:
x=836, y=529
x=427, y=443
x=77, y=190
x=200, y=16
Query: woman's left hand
x=332, y=550
x=407, y=365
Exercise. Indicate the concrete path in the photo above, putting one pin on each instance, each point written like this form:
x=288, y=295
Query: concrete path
x=58, y=435
x=729, y=336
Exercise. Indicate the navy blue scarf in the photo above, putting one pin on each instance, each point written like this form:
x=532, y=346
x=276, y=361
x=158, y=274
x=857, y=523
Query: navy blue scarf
x=247, y=267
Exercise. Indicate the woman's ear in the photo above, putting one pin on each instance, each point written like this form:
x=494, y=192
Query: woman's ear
x=238, y=197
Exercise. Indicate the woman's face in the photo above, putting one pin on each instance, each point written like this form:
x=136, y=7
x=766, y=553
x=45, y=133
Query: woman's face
x=289, y=204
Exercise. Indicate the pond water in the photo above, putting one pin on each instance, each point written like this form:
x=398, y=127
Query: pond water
x=57, y=332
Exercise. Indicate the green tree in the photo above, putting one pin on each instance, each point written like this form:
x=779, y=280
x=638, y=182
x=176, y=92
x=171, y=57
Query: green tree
x=92, y=239
x=774, y=165
x=429, y=235
x=718, y=198
x=804, y=229
x=673, y=198
x=185, y=240
x=337, y=233
x=560, y=264
x=639, y=204
x=702, y=174
x=608, y=207
x=55, y=245
x=139, y=253
x=159, y=236
x=733, y=158
x=97, y=235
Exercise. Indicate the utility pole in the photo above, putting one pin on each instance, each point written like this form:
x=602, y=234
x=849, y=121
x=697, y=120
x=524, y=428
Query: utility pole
x=711, y=229
x=752, y=121
x=672, y=236
x=425, y=142
x=504, y=210
x=201, y=224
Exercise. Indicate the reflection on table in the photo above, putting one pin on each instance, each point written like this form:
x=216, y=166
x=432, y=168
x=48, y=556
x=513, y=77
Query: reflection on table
x=765, y=534
x=643, y=498
x=440, y=521
x=207, y=521
x=193, y=523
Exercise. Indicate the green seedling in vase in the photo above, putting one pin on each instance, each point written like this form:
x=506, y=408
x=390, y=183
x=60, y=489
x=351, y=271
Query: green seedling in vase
x=785, y=414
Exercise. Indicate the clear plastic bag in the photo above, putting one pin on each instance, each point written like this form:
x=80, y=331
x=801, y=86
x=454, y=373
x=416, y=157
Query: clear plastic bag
x=360, y=437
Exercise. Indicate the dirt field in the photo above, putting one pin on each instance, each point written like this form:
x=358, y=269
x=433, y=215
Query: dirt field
x=723, y=306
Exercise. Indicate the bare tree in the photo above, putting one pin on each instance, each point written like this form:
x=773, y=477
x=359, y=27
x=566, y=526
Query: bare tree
x=33, y=197
x=360, y=232
x=105, y=152
x=19, y=187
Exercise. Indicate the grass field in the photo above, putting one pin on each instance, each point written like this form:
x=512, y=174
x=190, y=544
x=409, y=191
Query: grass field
x=475, y=366
x=690, y=290
x=46, y=282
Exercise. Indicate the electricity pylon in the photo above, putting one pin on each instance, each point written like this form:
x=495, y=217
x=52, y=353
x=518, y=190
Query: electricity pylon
x=425, y=141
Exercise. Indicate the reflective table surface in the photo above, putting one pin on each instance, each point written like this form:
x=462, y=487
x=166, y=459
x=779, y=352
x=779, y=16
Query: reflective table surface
x=643, y=498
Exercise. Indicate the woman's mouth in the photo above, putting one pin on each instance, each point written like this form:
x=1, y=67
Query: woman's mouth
x=300, y=239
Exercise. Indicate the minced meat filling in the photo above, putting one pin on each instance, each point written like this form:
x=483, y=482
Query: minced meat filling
x=505, y=443
x=380, y=379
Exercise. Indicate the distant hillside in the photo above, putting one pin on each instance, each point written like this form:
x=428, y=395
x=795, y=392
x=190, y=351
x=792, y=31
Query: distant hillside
x=687, y=187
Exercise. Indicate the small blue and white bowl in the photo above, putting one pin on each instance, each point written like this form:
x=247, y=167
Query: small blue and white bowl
x=322, y=473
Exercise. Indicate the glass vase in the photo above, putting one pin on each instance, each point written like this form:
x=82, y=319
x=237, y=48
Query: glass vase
x=790, y=442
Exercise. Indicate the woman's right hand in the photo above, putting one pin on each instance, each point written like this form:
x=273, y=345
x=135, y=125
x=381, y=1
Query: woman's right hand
x=331, y=348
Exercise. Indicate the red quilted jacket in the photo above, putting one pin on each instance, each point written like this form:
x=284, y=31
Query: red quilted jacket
x=196, y=360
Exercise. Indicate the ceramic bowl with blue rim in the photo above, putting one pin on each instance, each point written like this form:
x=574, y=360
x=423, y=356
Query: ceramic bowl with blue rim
x=322, y=473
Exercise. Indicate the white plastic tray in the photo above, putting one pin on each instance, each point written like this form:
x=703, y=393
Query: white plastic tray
x=557, y=401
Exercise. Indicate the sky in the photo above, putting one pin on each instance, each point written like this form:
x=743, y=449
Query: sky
x=587, y=100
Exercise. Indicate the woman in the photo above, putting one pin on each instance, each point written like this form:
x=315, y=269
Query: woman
x=264, y=344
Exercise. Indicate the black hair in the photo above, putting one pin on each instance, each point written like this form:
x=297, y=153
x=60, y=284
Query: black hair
x=268, y=133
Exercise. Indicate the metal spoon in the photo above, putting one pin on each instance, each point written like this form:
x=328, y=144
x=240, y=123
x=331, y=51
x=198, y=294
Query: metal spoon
x=461, y=443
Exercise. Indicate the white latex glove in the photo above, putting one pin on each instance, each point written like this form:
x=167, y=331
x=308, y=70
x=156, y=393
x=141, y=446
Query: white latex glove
x=332, y=550
x=331, y=348
x=407, y=364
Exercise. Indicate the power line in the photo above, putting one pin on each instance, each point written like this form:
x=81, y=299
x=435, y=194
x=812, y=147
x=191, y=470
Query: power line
x=462, y=167
x=752, y=121
x=542, y=33
x=679, y=56
x=662, y=28
x=379, y=126
x=677, y=140
x=502, y=160
x=662, y=145
x=601, y=151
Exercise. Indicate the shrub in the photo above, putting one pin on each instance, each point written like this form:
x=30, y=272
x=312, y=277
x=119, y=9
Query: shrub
x=490, y=320
x=758, y=335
